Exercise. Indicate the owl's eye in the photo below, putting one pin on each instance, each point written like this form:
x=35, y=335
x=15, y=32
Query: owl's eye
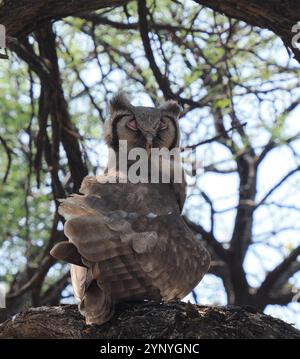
x=132, y=125
x=162, y=125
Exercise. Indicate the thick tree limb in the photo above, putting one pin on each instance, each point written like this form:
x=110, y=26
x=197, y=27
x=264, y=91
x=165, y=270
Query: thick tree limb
x=22, y=17
x=175, y=320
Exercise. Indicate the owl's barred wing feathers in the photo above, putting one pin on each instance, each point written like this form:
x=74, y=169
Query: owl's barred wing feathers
x=118, y=260
x=177, y=262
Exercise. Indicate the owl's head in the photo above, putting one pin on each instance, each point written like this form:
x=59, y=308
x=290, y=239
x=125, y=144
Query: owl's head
x=140, y=126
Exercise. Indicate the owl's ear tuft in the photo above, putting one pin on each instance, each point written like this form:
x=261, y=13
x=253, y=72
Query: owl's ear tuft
x=119, y=102
x=172, y=107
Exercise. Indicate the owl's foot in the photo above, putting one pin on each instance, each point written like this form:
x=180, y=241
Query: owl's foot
x=97, y=305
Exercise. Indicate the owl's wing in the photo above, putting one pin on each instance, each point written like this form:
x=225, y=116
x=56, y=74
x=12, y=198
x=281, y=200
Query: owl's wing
x=104, y=243
x=173, y=259
x=96, y=304
x=129, y=256
x=66, y=251
x=176, y=261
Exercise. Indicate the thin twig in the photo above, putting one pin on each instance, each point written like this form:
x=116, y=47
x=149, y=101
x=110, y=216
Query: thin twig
x=212, y=139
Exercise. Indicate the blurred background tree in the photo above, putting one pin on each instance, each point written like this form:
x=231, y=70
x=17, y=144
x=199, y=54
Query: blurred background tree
x=243, y=202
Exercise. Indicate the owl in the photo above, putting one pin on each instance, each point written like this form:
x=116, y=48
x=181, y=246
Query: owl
x=127, y=240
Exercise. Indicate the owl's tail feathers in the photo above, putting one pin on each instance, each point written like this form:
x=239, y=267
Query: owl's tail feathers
x=97, y=305
x=66, y=251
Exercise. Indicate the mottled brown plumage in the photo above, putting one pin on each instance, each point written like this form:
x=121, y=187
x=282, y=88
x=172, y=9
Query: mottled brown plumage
x=128, y=241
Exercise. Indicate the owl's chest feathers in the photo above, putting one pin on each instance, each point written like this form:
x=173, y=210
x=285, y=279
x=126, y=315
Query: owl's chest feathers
x=147, y=198
x=142, y=198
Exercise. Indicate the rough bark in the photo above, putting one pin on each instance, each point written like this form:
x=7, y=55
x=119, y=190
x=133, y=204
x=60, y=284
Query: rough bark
x=20, y=17
x=175, y=320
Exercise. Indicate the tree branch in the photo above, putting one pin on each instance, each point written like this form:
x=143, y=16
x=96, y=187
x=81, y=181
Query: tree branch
x=278, y=184
x=162, y=80
x=22, y=17
x=173, y=320
x=277, y=16
x=272, y=278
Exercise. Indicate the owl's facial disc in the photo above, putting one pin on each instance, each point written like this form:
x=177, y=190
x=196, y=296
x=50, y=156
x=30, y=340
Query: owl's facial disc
x=133, y=125
x=144, y=127
x=148, y=134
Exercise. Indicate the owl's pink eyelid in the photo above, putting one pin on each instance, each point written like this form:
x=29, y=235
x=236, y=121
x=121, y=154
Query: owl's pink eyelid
x=162, y=125
x=132, y=125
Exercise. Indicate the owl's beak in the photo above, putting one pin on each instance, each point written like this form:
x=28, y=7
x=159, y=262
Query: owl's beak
x=149, y=140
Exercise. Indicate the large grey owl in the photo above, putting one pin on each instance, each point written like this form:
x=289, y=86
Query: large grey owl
x=128, y=241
